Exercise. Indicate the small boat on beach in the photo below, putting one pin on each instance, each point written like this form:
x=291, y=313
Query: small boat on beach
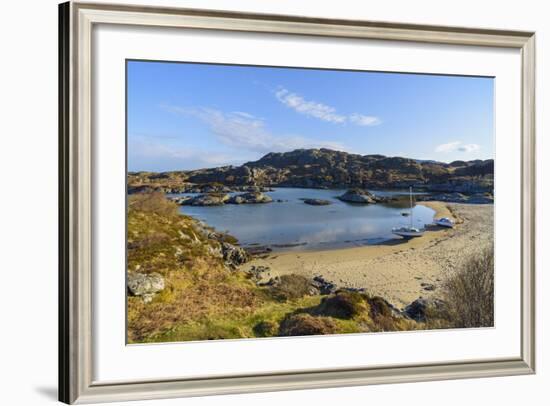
x=408, y=231
x=444, y=222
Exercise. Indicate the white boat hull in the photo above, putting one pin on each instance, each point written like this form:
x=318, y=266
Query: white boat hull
x=444, y=223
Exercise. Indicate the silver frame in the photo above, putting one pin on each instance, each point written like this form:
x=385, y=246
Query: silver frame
x=76, y=21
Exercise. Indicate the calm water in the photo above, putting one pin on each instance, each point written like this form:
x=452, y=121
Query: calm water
x=294, y=225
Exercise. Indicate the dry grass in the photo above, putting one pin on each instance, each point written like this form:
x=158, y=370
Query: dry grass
x=469, y=293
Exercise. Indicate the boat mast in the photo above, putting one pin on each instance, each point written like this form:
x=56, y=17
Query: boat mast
x=411, y=203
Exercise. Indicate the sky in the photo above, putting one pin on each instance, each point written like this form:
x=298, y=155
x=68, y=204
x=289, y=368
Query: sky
x=185, y=116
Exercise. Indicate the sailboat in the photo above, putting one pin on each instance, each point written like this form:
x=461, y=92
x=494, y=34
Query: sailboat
x=408, y=231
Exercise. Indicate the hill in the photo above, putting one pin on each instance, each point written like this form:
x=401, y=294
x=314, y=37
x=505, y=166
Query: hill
x=325, y=168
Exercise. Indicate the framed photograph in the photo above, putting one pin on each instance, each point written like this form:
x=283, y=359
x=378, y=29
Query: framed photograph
x=264, y=202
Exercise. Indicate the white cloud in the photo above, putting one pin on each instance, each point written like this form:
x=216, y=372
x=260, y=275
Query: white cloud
x=309, y=108
x=322, y=111
x=455, y=146
x=469, y=148
x=244, y=131
x=360, y=119
x=148, y=153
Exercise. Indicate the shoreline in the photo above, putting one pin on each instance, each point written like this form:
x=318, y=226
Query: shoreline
x=398, y=270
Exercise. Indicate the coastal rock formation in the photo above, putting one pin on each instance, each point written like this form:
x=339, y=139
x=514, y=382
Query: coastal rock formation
x=210, y=199
x=317, y=202
x=357, y=196
x=323, y=168
x=145, y=285
x=250, y=198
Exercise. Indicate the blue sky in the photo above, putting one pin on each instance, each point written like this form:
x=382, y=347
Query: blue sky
x=187, y=116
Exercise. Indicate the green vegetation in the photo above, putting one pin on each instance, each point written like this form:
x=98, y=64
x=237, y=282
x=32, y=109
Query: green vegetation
x=206, y=299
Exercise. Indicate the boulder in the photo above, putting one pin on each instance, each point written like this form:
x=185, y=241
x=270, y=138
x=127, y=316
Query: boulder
x=317, y=202
x=233, y=255
x=145, y=285
x=250, y=198
x=357, y=196
x=210, y=199
x=325, y=287
x=423, y=308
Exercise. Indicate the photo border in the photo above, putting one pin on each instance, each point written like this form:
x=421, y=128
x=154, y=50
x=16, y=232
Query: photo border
x=75, y=212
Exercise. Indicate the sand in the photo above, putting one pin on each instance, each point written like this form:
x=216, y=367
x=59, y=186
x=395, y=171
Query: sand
x=396, y=269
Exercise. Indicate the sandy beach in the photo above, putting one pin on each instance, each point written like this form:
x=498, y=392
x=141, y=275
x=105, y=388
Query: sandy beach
x=397, y=270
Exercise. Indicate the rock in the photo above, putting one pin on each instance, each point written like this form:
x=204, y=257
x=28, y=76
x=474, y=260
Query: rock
x=325, y=287
x=250, y=198
x=210, y=199
x=182, y=200
x=427, y=286
x=317, y=202
x=237, y=200
x=258, y=272
x=422, y=309
x=233, y=255
x=145, y=285
x=357, y=196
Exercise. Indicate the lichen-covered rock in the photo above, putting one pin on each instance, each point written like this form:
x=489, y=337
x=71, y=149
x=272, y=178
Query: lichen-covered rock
x=233, y=255
x=145, y=285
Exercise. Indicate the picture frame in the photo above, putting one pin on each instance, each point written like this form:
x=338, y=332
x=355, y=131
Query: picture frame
x=76, y=214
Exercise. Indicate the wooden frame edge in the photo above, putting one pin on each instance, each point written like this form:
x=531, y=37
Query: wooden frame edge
x=75, y=382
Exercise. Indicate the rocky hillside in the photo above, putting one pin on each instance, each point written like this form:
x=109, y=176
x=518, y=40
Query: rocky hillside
x=324, y=168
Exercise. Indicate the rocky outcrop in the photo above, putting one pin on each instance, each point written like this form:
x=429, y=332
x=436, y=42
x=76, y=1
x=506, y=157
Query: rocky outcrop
x=424, y=308
x=211, y=199
x=250, y=198
x=233, y=255
x=357, y=196
x=317, y=202
x=324, y=168
x=145, y=285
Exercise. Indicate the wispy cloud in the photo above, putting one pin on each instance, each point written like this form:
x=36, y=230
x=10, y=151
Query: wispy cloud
x=309, y=108
x=455, y=146
x=147, y=152
x=245, y=131
x=363, y=120
x=322, y=111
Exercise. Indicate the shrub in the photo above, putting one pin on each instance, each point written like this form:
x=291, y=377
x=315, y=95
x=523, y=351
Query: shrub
x=154, y=202
x=266, y=328
x=344, y=305
x=469, y=293
x=303, y=324
x=291, y=286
